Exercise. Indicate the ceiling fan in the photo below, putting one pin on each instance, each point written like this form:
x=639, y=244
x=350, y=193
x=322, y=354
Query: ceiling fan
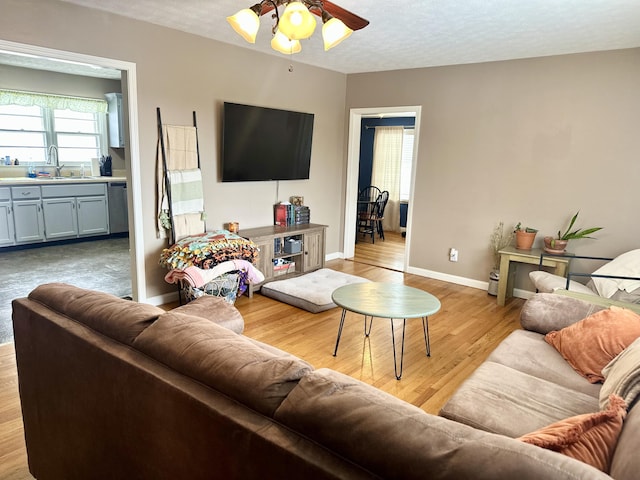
x=296, y=22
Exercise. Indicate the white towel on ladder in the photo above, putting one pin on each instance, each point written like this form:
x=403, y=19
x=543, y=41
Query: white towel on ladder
x=186, y=191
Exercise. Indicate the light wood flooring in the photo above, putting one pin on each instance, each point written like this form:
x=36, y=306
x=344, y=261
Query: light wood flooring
x=463, y=333
x=387, y=253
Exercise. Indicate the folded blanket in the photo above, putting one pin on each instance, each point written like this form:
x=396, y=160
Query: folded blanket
x=622, y=375
x=198, y=277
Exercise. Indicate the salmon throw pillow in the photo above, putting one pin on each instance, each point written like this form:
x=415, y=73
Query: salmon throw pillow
x=590, y=438
x=590, y=344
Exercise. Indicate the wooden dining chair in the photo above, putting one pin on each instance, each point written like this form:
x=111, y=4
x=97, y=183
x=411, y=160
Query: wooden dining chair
x=381, y=204
x=367, y=206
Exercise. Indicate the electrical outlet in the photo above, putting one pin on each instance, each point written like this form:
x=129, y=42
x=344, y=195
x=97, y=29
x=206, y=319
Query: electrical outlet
x=453, y=255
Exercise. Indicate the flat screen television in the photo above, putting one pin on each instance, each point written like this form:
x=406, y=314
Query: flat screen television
x=260, y=143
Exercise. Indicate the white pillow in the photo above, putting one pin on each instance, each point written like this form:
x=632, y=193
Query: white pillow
x=625, y=265
x=546, y=282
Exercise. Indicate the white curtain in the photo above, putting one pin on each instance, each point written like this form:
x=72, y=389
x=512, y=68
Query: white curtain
x=49, y=100
x=387, y=162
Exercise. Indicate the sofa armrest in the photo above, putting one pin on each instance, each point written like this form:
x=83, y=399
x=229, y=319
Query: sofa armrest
x=215, y=309
x=545, y=312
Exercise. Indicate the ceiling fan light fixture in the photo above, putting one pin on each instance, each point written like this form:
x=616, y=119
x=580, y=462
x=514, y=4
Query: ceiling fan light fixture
x=280, y=43
x=297, y=22
x=246, y=23
x=334, y=31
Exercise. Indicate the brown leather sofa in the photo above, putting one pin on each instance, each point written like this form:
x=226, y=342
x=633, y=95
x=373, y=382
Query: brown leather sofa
x=113, y=389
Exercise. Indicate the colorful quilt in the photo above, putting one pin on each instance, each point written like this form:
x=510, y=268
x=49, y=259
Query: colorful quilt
x=207, y=250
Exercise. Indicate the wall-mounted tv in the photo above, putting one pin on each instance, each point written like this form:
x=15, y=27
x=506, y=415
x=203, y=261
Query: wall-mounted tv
x=261, y=143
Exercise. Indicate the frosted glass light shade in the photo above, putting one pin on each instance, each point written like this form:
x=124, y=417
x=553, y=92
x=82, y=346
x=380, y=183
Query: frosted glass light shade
x=333, y=32
x=246, y=23
x=297, y=22
x=280, y=43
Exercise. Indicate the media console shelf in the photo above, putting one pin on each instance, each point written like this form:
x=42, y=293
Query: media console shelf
x=287, y=251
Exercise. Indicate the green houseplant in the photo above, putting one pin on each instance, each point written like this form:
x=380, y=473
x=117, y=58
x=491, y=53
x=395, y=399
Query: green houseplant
x=559, y=244
x=524, y=236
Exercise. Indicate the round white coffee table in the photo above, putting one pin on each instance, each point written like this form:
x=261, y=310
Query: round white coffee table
x=386, y=300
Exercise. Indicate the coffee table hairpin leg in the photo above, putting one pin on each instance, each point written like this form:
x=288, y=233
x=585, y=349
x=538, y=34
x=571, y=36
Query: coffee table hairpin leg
x=344, y=313
x=427, y=343
x=367, y=330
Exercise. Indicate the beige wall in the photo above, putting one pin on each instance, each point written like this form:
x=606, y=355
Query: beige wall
x=528, y=140
x=180, y=73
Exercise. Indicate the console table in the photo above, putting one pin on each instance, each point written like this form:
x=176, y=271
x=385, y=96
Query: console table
x=287, y=251
x=532, y=257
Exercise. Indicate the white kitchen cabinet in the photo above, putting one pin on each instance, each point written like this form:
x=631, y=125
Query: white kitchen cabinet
x=75, y=210
x=28, y=219
x=7, y=235
x=115, y=120
x=60, y=218
x=93, y=215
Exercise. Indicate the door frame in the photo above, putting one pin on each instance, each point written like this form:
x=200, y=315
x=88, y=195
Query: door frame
x=132, y=158
x=353, y=167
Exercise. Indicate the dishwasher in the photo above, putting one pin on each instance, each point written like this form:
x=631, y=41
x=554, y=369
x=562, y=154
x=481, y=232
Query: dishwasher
x=118, y=213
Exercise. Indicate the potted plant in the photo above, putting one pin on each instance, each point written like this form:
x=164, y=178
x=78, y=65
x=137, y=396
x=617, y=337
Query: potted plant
x=524, y=236
x=559, y=243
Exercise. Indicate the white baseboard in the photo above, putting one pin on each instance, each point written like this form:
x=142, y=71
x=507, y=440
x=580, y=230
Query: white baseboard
x=445, y=277
x=163, y=299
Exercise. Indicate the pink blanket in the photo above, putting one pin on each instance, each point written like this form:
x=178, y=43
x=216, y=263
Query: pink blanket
x=198, y=277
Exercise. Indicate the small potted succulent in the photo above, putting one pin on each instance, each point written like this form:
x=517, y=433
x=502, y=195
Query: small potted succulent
x=559, y=244
x=524, y=236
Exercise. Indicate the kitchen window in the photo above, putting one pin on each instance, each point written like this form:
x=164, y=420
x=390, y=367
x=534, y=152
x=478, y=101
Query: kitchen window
x=31, y=122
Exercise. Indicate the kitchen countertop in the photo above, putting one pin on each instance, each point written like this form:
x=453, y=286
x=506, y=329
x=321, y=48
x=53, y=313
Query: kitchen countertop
x=9, y=181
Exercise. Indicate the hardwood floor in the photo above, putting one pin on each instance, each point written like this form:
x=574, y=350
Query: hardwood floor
x=387, y=254
x=462, y=333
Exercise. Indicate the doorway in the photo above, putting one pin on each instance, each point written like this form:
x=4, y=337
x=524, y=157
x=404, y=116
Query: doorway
x=132, y=158
x=353, y=168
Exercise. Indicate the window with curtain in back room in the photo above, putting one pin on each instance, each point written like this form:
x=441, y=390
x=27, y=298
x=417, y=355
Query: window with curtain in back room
x=31, y=122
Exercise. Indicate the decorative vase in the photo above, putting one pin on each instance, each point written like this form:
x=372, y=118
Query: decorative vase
x=555, y=245
x=524, y=240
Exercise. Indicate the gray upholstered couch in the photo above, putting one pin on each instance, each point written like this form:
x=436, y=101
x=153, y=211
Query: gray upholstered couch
x=114, y=389
x=525, y=384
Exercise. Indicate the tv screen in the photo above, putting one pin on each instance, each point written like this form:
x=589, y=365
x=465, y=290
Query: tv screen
x=261, y=143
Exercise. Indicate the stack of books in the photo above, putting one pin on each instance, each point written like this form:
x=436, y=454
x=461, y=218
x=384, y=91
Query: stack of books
x=288, y=214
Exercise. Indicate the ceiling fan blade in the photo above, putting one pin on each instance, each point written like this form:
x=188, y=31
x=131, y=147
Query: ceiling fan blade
x=351, y=20
x=266, y=8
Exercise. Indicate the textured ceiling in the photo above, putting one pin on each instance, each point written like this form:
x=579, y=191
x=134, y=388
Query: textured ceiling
x=418, y=34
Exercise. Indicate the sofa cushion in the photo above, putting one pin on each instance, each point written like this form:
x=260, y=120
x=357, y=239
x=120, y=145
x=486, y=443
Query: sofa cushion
x=545, y=312
x=590, y=344
x=122, y=320
x=625, y=464
x=622, y=376
x=398, y=440
x=500, y=399
x=223, y=360
x=590, y=438
x=528, y=352
x=216, y=309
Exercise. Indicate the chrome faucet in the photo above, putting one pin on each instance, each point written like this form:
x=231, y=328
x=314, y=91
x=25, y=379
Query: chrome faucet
x=52, y=157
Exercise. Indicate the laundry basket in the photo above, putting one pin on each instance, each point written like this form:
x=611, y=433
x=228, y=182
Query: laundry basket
x=225, y=286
